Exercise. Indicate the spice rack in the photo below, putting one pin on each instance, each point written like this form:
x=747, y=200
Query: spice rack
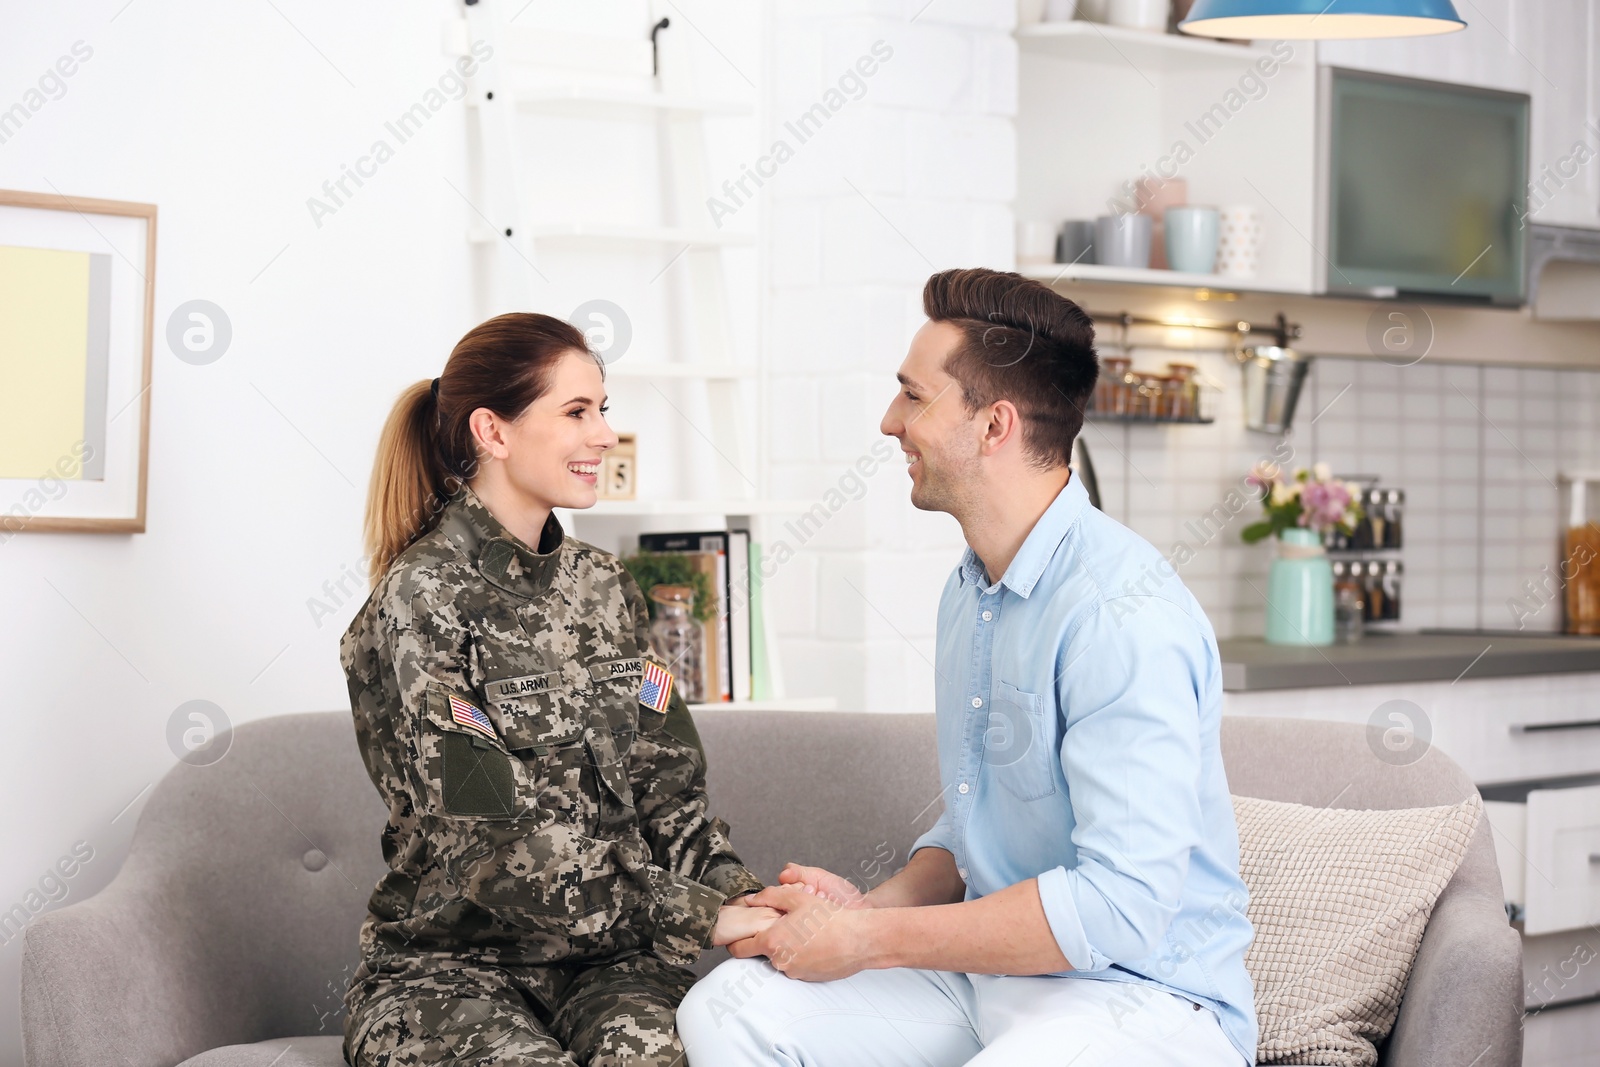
x=1123, y=394
x=1366, y=562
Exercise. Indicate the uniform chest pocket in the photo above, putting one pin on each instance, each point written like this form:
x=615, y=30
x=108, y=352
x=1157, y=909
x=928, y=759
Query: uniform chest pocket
x=468, y=769
x=1019, y=743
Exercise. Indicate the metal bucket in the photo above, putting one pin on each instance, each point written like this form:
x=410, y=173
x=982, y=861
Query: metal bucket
x=1272, y=380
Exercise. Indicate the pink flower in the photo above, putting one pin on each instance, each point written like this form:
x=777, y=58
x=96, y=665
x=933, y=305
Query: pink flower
x=1263, y=474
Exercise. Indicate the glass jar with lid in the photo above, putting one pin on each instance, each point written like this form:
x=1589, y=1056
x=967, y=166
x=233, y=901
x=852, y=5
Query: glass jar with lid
x=1110, y=388
x=677, y=639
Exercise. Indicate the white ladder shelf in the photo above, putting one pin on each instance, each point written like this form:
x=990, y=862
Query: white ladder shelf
x=577, y=75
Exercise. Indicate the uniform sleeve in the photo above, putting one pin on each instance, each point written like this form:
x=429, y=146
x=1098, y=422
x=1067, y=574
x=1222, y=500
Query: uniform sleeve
x=667, y=768
x=1131, y=752
x=516, y=860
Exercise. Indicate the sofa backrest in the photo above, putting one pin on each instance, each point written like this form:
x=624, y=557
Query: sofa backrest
x=254, y=872
x=845, y=791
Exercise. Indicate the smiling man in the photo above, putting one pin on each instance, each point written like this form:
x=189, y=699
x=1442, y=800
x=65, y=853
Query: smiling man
x=1078, y=902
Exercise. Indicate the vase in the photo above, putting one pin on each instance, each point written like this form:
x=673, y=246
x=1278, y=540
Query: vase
x=1300, y=591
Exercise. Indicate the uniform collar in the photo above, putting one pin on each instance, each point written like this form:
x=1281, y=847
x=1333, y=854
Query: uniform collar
x=1039, y=547
x=504, y=560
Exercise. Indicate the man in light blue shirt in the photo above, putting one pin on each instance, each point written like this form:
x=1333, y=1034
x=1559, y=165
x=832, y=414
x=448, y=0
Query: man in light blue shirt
x=1079, y=901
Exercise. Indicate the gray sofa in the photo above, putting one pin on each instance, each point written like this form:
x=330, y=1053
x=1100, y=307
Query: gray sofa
x=228, y=935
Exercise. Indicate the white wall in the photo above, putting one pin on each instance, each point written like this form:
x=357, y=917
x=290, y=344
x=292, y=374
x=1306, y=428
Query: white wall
x=916, y=175
x=228, y=117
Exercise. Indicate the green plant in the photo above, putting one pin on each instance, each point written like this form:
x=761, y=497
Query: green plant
x=651, y=569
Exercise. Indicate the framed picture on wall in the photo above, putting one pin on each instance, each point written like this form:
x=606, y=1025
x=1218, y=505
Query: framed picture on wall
x=77, y=298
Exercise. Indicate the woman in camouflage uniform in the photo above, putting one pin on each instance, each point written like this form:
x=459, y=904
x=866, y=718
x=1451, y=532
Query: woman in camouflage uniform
x=553, y=868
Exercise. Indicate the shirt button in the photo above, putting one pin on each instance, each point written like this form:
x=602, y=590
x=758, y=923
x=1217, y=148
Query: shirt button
x=977, y=702
x=963, y=788
x=988, y=615
x=962, y=871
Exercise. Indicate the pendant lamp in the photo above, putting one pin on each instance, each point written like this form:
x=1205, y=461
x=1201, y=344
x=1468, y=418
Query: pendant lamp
x=1320, y=19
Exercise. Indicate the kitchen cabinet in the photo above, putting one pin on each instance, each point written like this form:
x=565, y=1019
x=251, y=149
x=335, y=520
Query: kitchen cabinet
x=1549, y=49
x=1100, y=107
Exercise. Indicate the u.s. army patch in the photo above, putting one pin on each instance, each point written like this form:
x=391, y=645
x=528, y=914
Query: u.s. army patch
x=510, y=688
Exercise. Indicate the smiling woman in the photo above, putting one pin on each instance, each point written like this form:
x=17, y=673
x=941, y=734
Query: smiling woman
x=493, y=418
x=553, y=867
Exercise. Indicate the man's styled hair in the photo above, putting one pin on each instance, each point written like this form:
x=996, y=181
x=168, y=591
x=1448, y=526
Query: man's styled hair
x=1022, y=342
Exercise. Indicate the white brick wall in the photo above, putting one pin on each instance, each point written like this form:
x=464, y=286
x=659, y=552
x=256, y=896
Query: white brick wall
x=916, y=175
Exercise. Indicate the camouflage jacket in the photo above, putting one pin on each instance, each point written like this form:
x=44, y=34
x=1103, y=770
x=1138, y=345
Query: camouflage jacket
x=568, y=821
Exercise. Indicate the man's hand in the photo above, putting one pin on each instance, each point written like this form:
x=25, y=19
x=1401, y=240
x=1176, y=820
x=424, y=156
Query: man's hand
x=824, y=883
x=739, y=920
x=815, y=940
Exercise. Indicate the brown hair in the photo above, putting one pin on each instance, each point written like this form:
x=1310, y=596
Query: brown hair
x=427, y=449
x=1022, y=342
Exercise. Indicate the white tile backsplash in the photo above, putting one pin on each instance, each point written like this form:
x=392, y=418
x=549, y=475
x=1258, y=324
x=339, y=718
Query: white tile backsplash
x=1478, y=451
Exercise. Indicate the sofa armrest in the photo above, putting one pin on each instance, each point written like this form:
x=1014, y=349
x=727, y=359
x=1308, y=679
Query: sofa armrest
x=115, y=979
x=1463, y=1003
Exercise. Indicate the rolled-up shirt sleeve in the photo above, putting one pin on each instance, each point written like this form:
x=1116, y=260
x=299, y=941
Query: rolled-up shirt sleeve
x=939, y=835
x=1129, y=684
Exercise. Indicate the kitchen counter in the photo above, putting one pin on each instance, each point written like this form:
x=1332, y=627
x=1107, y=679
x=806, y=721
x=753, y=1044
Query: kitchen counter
x=1251, y=663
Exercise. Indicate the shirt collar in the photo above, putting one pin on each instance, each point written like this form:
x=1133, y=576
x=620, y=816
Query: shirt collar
x=1039, y=547
x=504, y=560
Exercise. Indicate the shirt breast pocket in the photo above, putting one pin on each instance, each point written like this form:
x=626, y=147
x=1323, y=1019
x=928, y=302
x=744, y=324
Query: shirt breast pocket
x=1019, y=743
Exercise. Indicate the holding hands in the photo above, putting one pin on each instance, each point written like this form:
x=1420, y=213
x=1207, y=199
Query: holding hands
x=819, y=933
x=739, y=920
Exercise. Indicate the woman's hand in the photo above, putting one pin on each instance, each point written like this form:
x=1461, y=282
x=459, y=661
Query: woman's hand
x=738, y=920
x=824, y=883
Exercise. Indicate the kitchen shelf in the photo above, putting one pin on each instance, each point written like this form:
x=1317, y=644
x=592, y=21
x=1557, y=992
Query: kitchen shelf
x=1092, y=42
x=1176, y=279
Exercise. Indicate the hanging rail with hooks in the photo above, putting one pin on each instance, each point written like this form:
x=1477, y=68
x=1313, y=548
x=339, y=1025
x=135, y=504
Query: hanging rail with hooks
x=1282, y=331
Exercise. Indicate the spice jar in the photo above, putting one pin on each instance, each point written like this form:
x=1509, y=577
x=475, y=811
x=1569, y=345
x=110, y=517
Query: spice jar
x=1185, y=400
x=1349, y=603
x=1153, y=388
x=1394, y=502
x=1110, y=388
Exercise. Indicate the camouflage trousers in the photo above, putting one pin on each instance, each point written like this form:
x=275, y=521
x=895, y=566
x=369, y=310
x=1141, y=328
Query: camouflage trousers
x=611, y=1014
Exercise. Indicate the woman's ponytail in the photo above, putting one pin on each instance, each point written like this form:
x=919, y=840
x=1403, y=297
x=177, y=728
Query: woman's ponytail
x=427, y=450
x=403, y=497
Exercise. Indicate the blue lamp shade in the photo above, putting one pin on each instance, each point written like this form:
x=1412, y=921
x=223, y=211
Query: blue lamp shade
x=1274, y=20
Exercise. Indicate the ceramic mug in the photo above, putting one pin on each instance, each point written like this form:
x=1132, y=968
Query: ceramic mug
x=1036, y=242
x=1148, y=15
x=1075, y=242
x=1154, y=195
x=1122, y=240
x=1238, y=240
x=1191, y=234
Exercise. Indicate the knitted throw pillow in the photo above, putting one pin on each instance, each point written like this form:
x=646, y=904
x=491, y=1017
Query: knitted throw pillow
x=1339, y=899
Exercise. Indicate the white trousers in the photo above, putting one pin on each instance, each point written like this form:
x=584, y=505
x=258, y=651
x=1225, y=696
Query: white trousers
x=746, y=1012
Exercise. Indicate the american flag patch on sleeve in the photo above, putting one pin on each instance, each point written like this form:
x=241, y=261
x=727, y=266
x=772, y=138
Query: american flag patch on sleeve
x=471, y=717
x=656, y=688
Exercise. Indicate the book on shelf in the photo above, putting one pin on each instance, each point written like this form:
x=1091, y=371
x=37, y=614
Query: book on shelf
x=724, y=557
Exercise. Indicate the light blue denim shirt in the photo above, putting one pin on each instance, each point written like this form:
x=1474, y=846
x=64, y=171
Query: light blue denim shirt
x=1079, y=701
